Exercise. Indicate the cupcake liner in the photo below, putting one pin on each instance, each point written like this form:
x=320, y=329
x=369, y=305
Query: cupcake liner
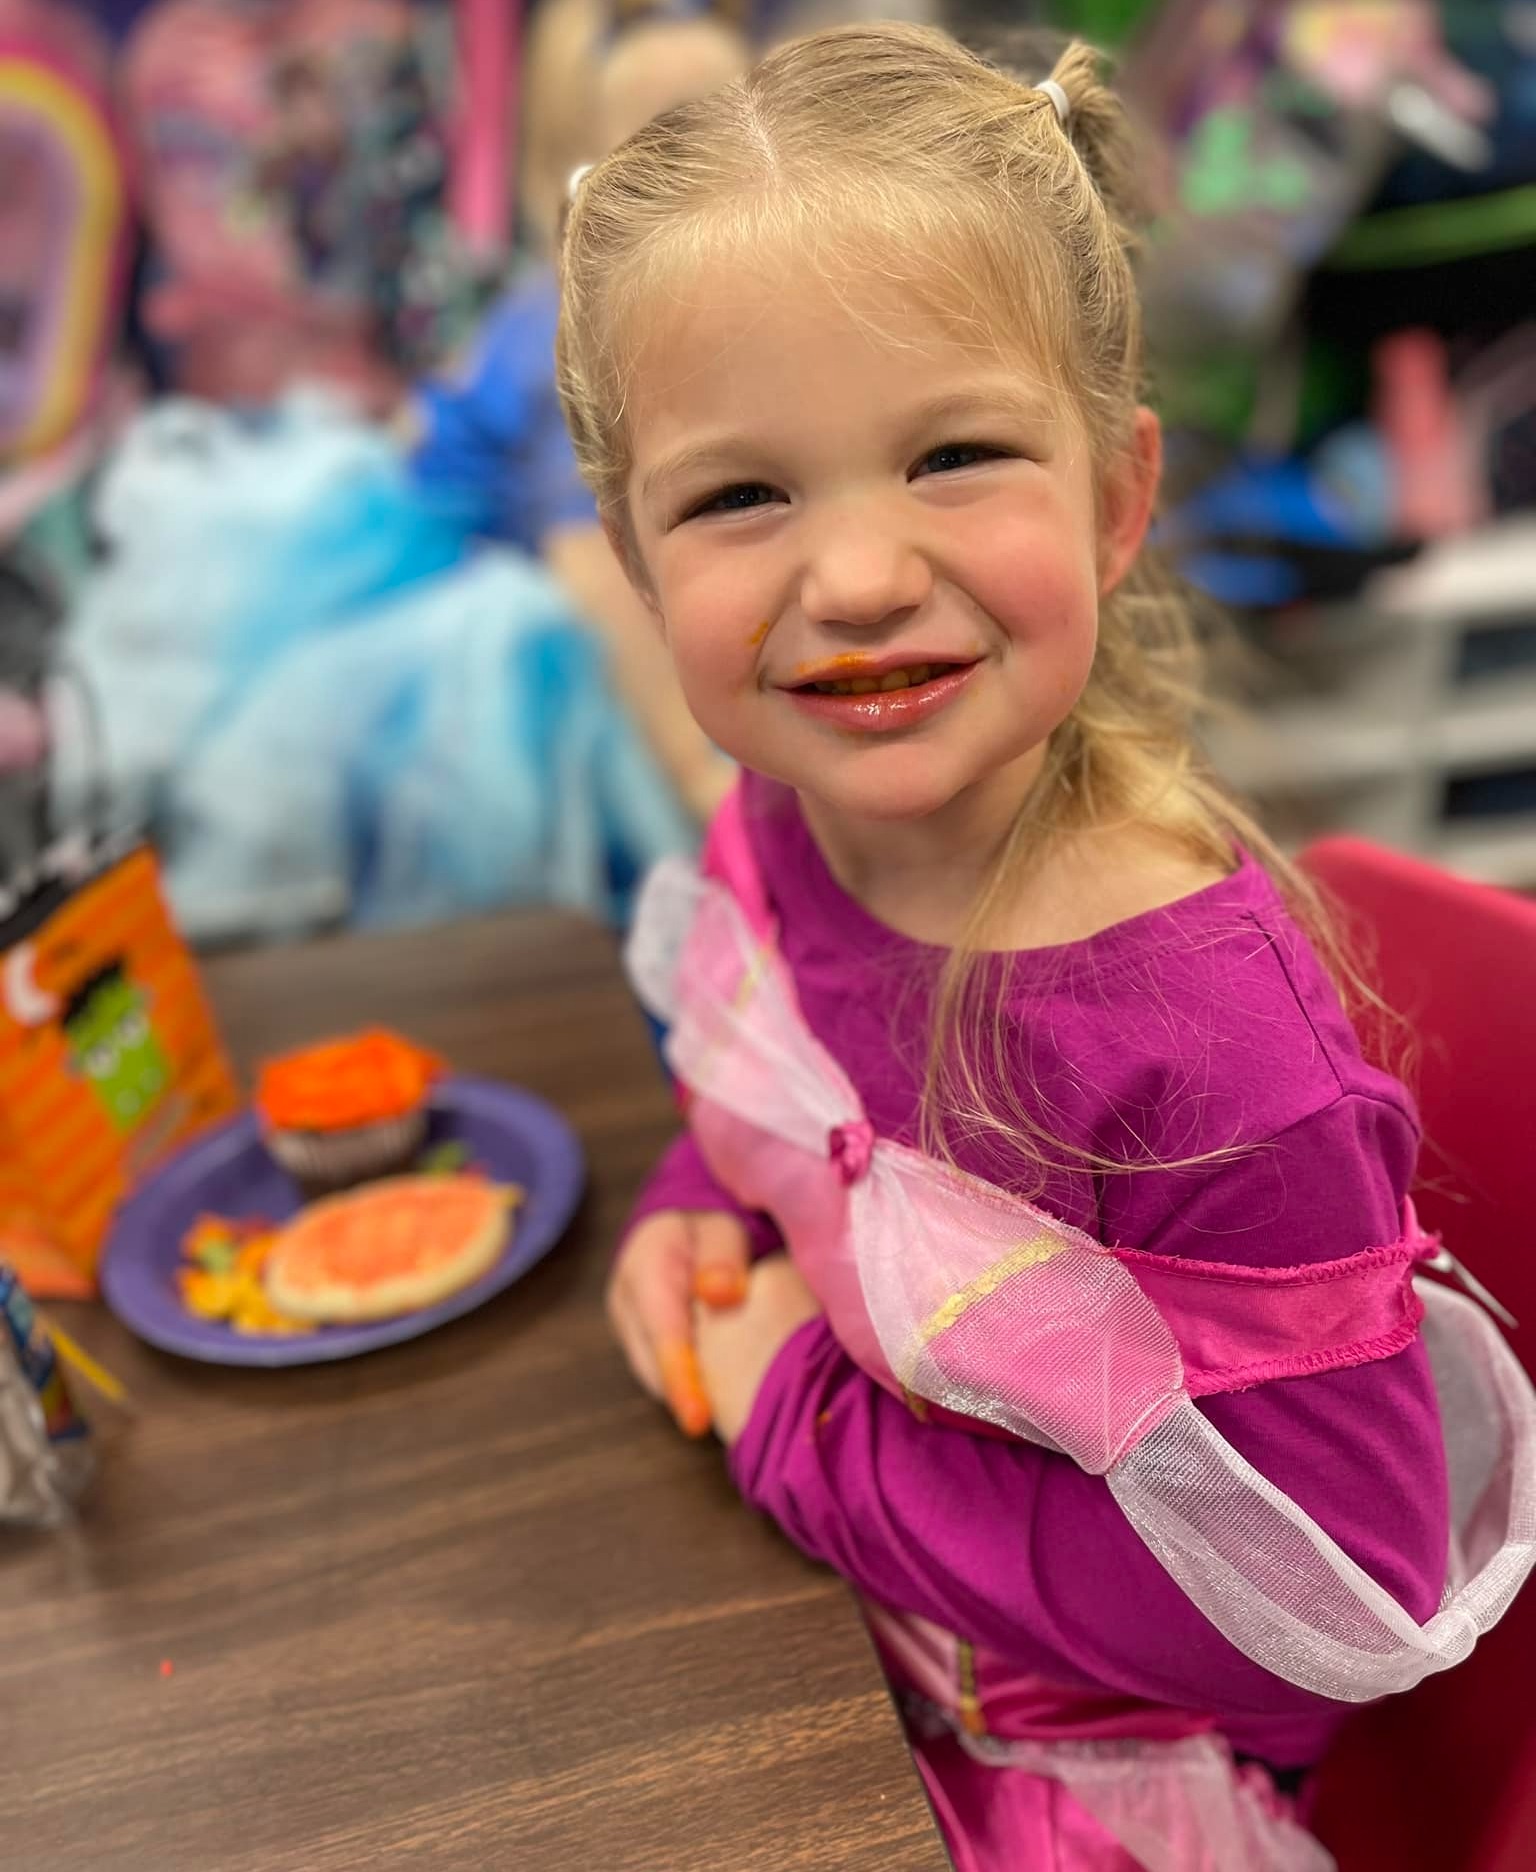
x=333, y=1159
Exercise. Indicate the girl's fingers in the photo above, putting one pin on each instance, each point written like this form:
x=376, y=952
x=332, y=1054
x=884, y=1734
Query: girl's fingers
x=721, y=1260
x=636, y=1346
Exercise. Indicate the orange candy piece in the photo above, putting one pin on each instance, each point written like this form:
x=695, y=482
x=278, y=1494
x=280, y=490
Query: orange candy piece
x=720, y=1286
x=234, y=1293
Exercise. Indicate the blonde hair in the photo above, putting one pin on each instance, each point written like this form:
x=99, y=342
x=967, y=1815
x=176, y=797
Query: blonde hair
x=965, y=183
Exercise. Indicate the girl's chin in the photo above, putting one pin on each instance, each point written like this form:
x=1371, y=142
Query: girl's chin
x=902, y=787
x=893, y=799
x=895, y=781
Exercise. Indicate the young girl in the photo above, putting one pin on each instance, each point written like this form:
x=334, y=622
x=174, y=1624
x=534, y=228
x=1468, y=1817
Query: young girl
x=989, y=1007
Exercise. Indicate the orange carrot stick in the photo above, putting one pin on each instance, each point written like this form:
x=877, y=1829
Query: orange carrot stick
x=684, y=1388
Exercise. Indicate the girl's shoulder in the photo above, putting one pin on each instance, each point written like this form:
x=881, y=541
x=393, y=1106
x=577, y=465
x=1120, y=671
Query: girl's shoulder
x=1212, y=1012
x=1207, y=1033
x=1094, y=885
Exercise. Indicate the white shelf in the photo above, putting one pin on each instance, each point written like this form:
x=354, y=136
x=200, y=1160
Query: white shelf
x=1493, y=851
x=1489, y=723
x=1487, y=573
x=1298, y=749
x=1306, y=749
x=1375, y=721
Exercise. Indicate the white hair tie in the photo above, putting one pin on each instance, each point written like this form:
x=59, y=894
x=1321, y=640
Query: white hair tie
x=575, y=179
x=1059, y=98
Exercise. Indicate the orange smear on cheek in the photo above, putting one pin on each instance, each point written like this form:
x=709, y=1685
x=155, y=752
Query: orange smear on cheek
x=760, y=633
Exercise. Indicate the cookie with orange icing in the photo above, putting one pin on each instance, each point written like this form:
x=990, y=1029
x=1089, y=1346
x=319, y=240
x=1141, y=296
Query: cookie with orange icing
x=391, y=1248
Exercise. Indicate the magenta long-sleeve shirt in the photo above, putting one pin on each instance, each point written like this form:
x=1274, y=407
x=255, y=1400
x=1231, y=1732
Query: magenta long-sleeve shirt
x=1205, y=1025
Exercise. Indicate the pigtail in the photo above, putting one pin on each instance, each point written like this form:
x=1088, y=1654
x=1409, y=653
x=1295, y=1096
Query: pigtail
x=1101, y=131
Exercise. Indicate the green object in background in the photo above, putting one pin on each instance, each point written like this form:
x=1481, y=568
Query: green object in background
x=60, y=535
x=1106, y=22
x=1433, y=232
x=1223, y=176
x=1214, y=395
x=1335, y=389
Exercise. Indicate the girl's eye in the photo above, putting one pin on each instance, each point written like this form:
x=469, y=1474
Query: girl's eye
x=740, y=497
x=955, y=455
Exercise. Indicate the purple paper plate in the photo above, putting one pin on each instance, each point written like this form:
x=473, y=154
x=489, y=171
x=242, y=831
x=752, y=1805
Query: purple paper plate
x=228, y=1171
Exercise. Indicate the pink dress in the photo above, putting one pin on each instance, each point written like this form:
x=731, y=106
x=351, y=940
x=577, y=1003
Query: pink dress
x=978, y=1308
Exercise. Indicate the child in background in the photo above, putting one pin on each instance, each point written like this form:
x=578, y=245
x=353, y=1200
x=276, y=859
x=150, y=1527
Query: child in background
x=990, y=1006
x=494, y=435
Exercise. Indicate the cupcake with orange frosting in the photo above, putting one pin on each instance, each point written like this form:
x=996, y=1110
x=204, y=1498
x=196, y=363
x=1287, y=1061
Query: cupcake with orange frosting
x=347, y=1110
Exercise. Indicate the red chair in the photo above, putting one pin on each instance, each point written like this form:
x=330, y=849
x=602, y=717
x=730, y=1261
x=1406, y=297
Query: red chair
x=1444, y=1779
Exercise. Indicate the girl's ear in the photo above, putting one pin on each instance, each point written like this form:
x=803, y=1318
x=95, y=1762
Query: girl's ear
x=1130, y=493
x=622, y=541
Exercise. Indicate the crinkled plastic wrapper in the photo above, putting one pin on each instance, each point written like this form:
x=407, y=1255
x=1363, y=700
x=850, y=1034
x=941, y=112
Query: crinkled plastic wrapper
x=46, y=1453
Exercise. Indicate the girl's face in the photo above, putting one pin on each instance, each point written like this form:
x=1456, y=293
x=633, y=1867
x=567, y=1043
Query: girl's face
x=874, y=552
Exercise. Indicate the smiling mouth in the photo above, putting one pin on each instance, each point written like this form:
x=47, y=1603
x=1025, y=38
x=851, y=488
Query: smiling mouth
x=913, y=676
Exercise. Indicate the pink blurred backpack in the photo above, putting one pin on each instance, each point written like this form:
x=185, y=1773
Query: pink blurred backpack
x=295, y=167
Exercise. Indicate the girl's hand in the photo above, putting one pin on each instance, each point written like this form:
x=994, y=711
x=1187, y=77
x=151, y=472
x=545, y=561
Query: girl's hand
x=669, y=1261
x=736, y=1347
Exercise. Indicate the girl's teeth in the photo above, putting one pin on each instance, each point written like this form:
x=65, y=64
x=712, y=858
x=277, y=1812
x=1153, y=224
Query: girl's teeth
x=868, y=685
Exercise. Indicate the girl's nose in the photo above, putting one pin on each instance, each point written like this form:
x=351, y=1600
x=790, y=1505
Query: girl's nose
x=862, y=571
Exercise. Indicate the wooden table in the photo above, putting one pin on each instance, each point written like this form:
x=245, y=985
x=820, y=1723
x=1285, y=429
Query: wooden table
x=468, y=1602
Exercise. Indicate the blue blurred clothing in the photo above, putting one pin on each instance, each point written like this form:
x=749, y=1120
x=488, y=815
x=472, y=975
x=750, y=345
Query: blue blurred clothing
x=480, y=761
x=495, y=442
x=327, y=707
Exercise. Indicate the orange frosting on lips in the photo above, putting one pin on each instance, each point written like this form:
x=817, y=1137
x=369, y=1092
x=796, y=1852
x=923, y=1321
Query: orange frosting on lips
x=848, y=664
